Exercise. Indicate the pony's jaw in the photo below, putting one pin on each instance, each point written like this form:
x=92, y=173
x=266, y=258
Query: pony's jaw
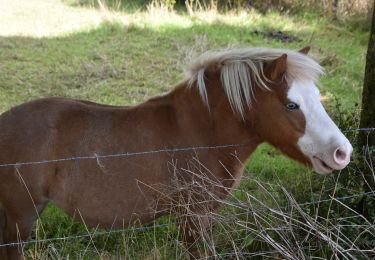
x=323, y=143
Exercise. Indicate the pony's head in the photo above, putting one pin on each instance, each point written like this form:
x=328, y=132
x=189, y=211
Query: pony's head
x=274, y=92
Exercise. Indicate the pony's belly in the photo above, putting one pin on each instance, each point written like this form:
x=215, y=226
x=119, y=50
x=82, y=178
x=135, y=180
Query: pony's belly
x=110, y=215
x=114, y=200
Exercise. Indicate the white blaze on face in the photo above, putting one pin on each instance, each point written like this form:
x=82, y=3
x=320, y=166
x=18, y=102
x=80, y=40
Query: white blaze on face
x=325, y=145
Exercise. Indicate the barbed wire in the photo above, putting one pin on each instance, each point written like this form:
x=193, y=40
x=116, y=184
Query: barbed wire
x=366, y=129
x=124, y=154
x=95, y=234
x=339, y=198
x=141, y=153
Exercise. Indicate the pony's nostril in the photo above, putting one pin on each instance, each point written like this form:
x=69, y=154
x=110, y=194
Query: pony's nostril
x=341, y=155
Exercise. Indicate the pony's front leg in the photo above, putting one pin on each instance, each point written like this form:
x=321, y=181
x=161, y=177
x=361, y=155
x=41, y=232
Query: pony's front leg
x=3, y=249
x=196, y=233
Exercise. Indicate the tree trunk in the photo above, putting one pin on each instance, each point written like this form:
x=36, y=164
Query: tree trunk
x=366, y=139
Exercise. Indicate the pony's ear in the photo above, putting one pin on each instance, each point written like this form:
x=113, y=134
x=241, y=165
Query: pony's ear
x=276, y=69
x=305, y=50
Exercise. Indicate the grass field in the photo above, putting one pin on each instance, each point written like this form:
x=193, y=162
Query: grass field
x=54, y=48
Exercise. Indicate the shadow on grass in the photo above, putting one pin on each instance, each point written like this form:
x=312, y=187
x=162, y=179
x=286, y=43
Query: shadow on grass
x=114, y=64
x=116, y=5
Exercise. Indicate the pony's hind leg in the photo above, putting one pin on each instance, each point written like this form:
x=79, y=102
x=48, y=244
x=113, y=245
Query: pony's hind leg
x=22, y=205
x=3, y=253
x=17, y=228
x=20, y=212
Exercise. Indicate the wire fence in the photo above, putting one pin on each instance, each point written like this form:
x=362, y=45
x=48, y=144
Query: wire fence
x=366, y=129
x=87, y=235
x=98, y=157
x=151, y=227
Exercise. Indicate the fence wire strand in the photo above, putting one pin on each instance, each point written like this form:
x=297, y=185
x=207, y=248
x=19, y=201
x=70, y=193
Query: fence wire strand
x=366, y=129
x=124, y=154
x=97, y=157
x=87, y=235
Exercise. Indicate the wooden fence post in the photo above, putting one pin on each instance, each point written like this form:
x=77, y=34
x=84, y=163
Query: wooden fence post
x=366, y=140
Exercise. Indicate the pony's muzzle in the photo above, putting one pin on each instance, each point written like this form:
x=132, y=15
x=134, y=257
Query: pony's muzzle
x=333, y=159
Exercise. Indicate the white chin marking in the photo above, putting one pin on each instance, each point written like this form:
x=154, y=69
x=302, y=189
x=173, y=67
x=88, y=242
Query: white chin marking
x=322, y=138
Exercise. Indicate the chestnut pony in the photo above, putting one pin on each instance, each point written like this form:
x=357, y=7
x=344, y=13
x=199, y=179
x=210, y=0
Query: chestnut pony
x=237, y=96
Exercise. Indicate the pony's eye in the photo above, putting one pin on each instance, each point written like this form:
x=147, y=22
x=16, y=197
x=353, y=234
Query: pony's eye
x=292, y=106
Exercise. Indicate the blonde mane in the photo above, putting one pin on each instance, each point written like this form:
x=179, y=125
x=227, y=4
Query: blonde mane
x=239, y=66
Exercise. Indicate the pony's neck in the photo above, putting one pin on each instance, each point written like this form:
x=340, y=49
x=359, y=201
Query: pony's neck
x=215, y=124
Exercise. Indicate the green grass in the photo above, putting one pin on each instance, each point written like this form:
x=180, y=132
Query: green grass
x=49, y=48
